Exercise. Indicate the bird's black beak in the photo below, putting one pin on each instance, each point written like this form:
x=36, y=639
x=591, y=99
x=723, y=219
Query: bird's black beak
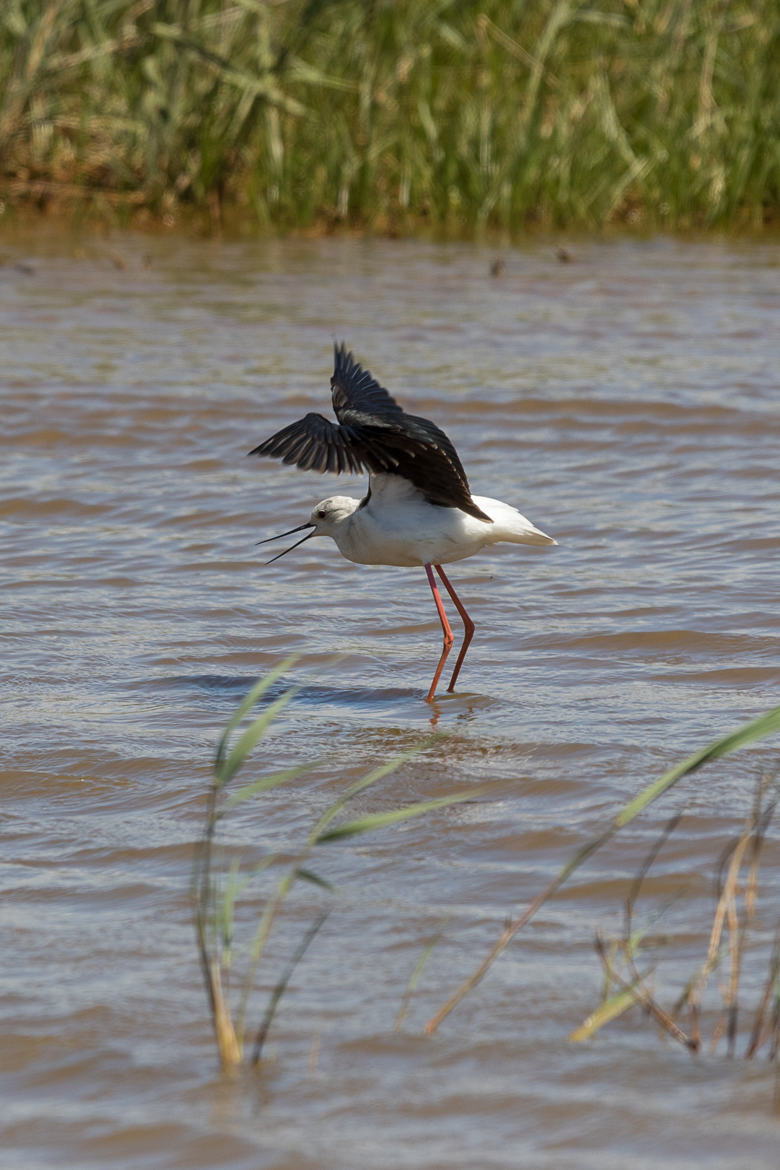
x=281, y=535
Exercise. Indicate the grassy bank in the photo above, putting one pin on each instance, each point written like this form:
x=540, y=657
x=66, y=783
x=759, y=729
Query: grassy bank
x=393, y=114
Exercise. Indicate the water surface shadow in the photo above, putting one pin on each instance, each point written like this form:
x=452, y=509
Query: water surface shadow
x=354, y=698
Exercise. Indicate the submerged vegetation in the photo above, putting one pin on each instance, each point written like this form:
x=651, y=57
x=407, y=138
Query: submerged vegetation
x=310, y=114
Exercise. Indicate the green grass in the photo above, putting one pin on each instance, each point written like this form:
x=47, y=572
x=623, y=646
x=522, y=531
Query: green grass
x=757, y=729
x=221, y=885
x=391, y=115
x=231, y=945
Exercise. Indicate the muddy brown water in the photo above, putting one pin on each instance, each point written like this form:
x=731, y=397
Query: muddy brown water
x=628, y=403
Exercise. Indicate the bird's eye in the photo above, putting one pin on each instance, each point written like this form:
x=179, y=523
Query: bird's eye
x=321, y=514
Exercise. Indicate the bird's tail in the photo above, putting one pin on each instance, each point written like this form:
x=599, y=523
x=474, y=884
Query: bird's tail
x=511, y=525
x=531, y=535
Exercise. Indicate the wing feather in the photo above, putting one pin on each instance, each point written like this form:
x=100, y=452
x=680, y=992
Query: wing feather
x=311, y=442
x=374, y=434
x=354, y=389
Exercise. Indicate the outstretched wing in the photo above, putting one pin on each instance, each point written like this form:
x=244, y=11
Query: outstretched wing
x=376, y=435
x=357, y=396
x=314, y=443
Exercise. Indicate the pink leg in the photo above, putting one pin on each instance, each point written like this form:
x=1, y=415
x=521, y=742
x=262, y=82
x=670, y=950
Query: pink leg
x=467, y=623
x=445, y=625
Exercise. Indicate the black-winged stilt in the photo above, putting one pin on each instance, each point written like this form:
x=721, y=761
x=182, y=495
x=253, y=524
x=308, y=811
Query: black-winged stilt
x=418, y=510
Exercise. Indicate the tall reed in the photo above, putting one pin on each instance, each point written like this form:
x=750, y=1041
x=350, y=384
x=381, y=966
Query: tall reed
x=394, y=114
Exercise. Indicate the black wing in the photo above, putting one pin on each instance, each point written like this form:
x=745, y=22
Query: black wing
x=314, y=443
x=374, y=434
x=356, y=393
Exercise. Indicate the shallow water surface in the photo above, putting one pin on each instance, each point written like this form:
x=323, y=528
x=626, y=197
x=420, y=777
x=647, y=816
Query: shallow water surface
x=627, y=402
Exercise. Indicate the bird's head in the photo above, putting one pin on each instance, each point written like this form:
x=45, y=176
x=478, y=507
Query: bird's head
x=329, y=514
x=326, y=517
